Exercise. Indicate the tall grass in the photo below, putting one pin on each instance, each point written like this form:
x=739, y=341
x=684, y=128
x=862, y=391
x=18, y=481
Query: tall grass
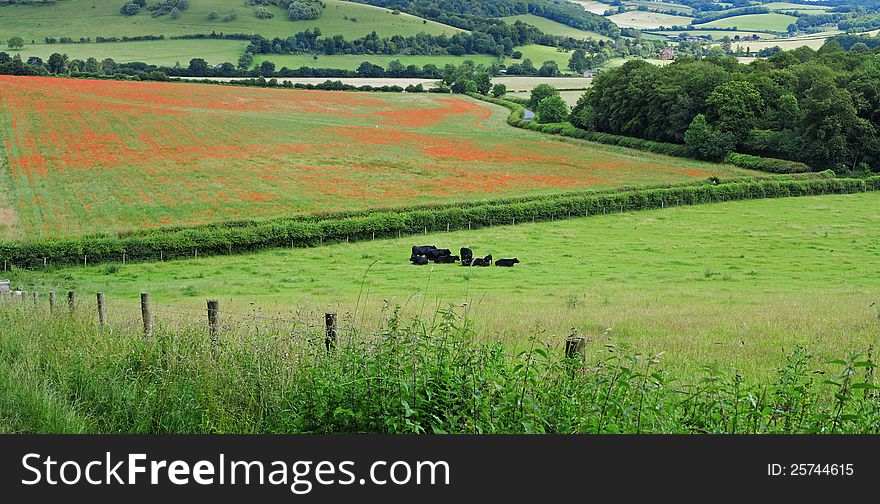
x=63, y=374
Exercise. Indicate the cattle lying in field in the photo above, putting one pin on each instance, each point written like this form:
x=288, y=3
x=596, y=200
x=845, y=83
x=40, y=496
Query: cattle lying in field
x=435, y=254
x=422, y=250
x=447, y=259
x=418, y=260
x=482, y=261
x=467, y=255
x=506, y=262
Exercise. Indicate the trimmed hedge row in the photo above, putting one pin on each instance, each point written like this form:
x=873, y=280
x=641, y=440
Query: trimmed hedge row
x=230, y=239
x=770, y=165
x=765, y=164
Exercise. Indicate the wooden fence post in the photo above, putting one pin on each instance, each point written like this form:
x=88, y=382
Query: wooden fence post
x=214, y=320
x=332, y=330
x=71, y=301
x=102, y=310
x=147, y=315
x=52, y=302
x=574, y=347
x=36, y=299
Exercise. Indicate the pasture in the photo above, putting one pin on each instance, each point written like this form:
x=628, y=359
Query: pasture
x=738, y=283
x=159, y=52
x=554, y=28
x=128, y=155
x=539, y=54
x=772, y=22
x=648, y=20
x=93, y=18
x=352, y=61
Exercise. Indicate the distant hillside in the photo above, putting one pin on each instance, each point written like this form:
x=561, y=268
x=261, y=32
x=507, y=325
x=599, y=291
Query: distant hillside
x=93, y=18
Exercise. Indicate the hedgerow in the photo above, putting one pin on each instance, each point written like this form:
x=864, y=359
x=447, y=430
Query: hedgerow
x=759, y=163
x=230, y=238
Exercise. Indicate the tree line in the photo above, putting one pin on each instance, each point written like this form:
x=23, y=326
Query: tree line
x=817, y=107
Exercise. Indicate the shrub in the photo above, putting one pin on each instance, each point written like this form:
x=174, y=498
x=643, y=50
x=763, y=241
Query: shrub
x=765, y=164
x=303, y=9
x=552, y=109
x=130, y=9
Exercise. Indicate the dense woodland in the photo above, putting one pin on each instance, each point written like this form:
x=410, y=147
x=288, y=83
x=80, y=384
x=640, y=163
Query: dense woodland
x=819, y=107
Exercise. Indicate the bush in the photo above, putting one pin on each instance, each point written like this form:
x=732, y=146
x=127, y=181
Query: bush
x=263, y=13
x=552, y=109
x=765, y=164
x=302, y=9
x=130, y=9
x=499, y=90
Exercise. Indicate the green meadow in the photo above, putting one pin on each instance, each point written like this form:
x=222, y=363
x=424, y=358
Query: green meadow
x=739, y=284
x=554, y=28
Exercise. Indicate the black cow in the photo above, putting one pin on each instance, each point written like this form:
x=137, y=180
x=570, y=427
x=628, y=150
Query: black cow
x=482, y=261
x=448, y=259
x=467, y=255
x=420, y=251
x=418, y=260
x=435, y=254
x=506, y=262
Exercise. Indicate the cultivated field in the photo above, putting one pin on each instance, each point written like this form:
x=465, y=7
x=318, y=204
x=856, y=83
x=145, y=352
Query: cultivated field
x=539, y=54
x=715, y=34
x=102, y=156
x=738, y=284
x=648, y=20
x=755, y=22
x=161, y=52
x=813, y=41
x=553, y=28
x=92, y=18
x=593, y=6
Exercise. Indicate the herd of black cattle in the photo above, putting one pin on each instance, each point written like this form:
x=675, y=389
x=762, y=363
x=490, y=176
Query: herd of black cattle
x=427, y=253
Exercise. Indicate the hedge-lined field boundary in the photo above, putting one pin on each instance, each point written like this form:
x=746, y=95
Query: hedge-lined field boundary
x=227, y=239
x=747, y=161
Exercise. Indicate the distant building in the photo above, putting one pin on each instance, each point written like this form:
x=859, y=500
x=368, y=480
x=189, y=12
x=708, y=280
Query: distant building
x=528, y=115
x=588, y=73
x=667, y=54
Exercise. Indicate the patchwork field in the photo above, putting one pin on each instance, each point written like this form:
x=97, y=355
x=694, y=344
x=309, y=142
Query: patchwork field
x=539, y=54
x=92, y=18
x=593, y=6
x=738, y=283
x=757, y=22
x=102, y=156
x=553, y=28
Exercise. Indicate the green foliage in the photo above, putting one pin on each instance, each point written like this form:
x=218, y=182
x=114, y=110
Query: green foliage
x=765, y=164
x=540, y=92
x=499, y=90
x=410, y=377
x=15, y=42
x=704, y=142
x=303, y=9
x=552, y=109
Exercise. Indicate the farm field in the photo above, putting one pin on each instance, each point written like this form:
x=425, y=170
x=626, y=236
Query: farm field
x=593, y=6
x=92, y=18
x=813, y=41
x=128, y=155
x=662, y=6
x=352, y=61
x=539, y=54
x=738, y=283
x=648, y=20
x=754, y=22
x=788, y=6
x=160, y=52
x=554, y=28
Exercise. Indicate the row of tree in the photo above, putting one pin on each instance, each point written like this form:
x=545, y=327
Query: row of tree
x=819, y=107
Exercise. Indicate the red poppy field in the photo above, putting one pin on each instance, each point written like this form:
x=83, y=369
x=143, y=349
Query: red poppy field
x=82, y=156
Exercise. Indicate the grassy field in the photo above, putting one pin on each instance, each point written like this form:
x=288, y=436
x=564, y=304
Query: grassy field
x=352, y=61
x=539, y=54
x=737, y=283
x=813, y=41
x=662, y=6
x=553, y=28
x=131, y=155
x=161, y=52
x=593, y=6
x=92, y=18
x=648, y=20
x=754, y=22
x=794, y=7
